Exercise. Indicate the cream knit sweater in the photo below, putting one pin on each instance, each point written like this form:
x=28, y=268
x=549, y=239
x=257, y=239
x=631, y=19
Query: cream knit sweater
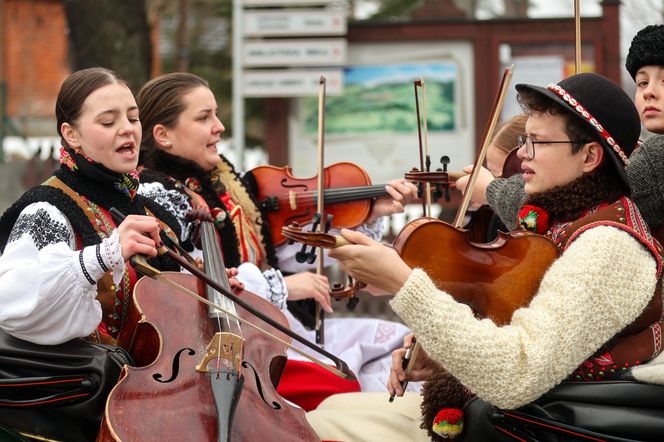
x=600, y=284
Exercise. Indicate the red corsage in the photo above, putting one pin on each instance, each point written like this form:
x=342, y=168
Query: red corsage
x=533, y=219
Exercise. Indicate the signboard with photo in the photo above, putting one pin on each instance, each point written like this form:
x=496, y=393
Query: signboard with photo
x=373, y=122
x=380, y=100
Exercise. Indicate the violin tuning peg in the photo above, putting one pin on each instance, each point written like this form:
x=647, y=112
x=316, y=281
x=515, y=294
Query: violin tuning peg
x=302, y=256
x=312, y=257
x=445, y=160
x=328, y=222
x=352, y=303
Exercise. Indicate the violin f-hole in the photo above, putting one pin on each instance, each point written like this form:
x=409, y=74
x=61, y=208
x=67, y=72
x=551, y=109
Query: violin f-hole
x=175, y=371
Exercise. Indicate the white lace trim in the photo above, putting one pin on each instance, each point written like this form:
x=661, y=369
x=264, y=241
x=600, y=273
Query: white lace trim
x=277, y=287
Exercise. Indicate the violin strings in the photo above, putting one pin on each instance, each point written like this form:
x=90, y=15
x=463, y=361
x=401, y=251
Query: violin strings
x=342, y=194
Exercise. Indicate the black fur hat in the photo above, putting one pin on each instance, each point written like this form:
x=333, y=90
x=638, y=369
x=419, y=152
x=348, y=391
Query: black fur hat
x=647, y=49
x=604, y=106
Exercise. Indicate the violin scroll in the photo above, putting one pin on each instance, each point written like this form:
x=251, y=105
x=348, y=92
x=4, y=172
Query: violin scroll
x=295, y=233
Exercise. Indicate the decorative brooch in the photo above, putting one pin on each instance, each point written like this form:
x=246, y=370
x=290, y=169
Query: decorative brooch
x=533, y=219
x=218, y=217
x=193, y=184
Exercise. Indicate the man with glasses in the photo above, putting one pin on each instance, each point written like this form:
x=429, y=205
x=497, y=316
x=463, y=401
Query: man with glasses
x=645, y=171
x=597, y=310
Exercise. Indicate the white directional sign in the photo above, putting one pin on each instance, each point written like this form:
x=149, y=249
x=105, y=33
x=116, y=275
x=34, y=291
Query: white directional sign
x=322, y=52
x=290, y=83
x=294, y=22
x=287, y=2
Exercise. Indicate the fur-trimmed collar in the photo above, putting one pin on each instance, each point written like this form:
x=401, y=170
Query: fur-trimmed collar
x=571, y=201
x=178, y=168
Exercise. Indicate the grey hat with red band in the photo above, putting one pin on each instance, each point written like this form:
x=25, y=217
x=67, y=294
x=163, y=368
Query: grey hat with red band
x=603, y=106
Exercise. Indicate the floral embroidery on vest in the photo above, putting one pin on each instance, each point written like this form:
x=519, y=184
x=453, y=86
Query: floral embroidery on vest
x=641, y=341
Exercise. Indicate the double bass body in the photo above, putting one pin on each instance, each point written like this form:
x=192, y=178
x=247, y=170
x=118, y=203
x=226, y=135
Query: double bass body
x=168, y=399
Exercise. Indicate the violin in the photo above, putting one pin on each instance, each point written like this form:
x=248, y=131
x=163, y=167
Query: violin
x=203, y=376
x=348, y=195
x=493, y=279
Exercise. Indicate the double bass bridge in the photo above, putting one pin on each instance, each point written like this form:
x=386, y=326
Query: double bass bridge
x=226, y=346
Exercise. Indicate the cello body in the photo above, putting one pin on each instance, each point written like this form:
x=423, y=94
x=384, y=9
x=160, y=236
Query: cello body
x=494, y=279
x=168, y=399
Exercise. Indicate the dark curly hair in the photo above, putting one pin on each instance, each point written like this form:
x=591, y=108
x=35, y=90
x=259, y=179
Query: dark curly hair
x=647, y=49
x=534, y=102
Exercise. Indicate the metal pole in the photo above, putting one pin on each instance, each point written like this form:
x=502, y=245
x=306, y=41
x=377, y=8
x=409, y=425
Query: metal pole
x=238, y=98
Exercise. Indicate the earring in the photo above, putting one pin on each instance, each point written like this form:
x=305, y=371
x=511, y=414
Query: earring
x=167, y=144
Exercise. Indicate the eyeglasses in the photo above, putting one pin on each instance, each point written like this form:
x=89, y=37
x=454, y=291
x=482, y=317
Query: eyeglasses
x=530, y=144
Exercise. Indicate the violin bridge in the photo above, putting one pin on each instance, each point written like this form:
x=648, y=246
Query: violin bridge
x=227, y=346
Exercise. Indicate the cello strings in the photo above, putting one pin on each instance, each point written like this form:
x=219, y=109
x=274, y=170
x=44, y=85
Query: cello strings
x=217, y=272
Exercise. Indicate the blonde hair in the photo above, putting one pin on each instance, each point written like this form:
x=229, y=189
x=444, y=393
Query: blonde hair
x=506, y=137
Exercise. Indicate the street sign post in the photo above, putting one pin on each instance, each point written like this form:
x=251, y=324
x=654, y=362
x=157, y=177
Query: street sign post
x=300, y=52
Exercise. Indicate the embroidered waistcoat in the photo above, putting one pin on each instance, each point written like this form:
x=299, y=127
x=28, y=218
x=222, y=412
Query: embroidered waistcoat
x=114, y=299
x=642, y=339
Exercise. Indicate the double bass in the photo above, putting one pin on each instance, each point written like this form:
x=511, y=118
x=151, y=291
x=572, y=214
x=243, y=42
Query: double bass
x=204, y=377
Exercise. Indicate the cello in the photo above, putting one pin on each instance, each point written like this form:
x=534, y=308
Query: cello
x=208, y=379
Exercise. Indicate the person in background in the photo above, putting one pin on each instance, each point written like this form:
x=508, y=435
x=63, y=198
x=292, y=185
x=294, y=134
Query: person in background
x=183, y=171
x=504, y=143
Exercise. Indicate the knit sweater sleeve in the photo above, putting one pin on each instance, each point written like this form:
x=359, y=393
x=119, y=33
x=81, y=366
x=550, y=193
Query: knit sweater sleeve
x=506, y=197
x=645, y=172
x=584, y=299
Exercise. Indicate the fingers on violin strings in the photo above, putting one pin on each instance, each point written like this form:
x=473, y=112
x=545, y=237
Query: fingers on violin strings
x=394, y=192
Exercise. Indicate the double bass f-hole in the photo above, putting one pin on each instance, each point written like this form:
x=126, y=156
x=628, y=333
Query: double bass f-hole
x=175, y=368
x=274, y=405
